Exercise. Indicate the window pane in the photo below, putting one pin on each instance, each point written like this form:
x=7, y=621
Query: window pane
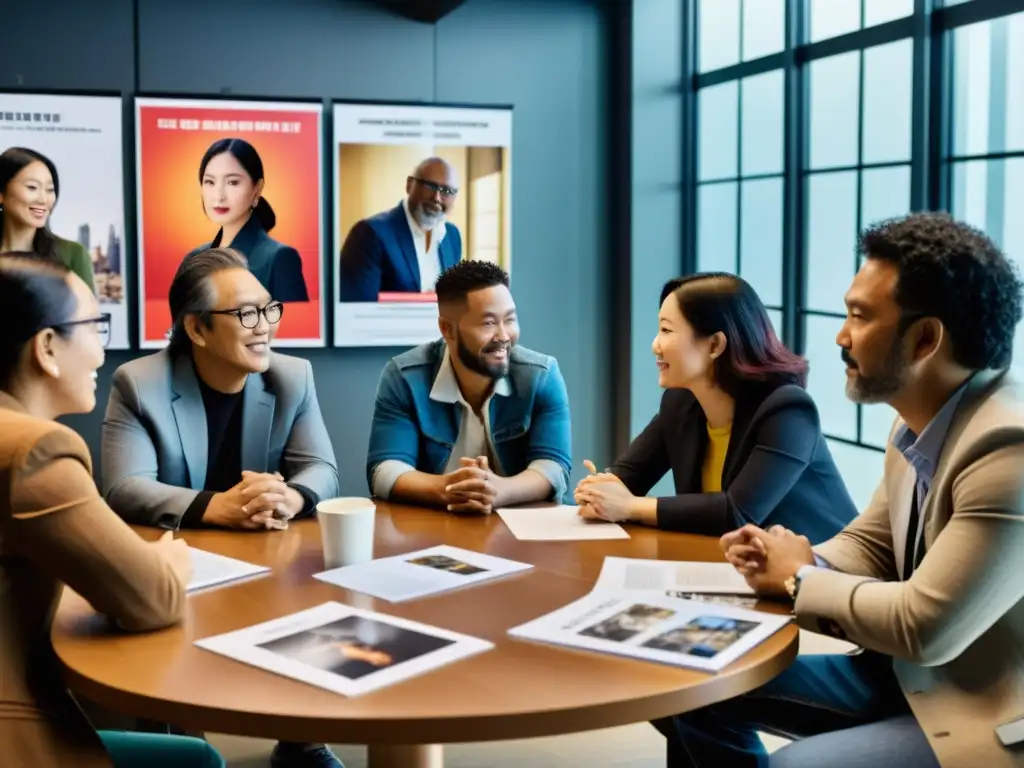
x=988, y=86
x=764, y=28
x=989, y=194
x=833, y=17
x=717, y=108
x=888, y=92
x=831, y=239
x=718, y=22
x=861, y=468
x=716, y=227
x=762, y=115
x=761, y=238
x=881, y=11
x=776, y=317
x=876, y=423
x=835, y=110
x=826, y=382
x=884, y=193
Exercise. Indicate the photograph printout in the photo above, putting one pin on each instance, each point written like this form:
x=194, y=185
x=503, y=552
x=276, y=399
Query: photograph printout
x=670, y=577
x=559, y=523
x=422, y=573
x=664, y=629
x=210, y=569
x=343, y=649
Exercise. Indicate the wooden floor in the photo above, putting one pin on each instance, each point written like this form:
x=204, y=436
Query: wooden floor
x=631, y=746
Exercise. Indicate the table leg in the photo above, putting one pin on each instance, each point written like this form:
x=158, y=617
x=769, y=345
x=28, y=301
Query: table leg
x=406, y=756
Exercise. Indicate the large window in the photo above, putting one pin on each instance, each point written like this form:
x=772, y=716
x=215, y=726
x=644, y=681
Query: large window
x=818, y=118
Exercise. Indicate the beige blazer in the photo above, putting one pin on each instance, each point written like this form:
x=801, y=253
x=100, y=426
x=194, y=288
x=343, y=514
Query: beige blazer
x=956, y=627
x=55, y=530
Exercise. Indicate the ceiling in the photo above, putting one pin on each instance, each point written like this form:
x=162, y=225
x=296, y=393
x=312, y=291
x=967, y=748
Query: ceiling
x=427, y=11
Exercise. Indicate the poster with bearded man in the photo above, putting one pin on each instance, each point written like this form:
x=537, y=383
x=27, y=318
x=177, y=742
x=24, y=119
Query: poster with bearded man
x=416, y=190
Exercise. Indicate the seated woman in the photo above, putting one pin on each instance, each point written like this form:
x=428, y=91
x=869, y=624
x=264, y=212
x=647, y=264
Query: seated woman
x=736, y=427
x=55, y=530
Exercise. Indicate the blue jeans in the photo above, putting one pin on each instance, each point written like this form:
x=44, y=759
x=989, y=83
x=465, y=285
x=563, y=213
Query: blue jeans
x=128, y=749
x=844, y=711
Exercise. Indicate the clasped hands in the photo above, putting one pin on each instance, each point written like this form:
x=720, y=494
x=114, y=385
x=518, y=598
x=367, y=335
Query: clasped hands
x=767, y=558
x=260, y=501
x=472, y=489
x=603, y=496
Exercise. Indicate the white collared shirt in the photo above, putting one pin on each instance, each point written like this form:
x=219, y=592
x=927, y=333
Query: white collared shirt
x=428, y=259
x=474, y=438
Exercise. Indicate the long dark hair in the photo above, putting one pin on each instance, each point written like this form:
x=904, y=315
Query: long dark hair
x=12, y=161
x=717, y=301
x=35, y=294
x=247, y=156
x=190, y=290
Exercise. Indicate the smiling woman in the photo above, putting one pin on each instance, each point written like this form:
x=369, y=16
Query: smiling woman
x=231, y=180
x=29, y=188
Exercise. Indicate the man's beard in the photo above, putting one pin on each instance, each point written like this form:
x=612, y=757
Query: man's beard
x=425, y=219
x=881, y=387
x=478, y=364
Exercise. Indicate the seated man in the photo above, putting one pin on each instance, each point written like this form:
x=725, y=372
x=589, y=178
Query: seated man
x=217, y=430
x=471, y=422
x=927, y=579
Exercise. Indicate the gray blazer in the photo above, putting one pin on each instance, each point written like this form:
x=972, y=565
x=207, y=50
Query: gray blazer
x=155, y=441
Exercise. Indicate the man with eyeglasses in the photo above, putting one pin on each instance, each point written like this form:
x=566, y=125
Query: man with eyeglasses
x=216, y=430
x=405, y=249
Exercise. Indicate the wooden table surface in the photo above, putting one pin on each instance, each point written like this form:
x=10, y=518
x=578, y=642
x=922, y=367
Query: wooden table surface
x=519, y=689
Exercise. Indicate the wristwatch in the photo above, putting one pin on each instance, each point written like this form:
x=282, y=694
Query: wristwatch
x=792, y=584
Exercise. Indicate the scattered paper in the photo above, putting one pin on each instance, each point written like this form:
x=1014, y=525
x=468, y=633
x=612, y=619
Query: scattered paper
x=343, y=649
x=656, y=628
x=561, y=523
x=210, y=569
x=422, y=573
x=662, y=576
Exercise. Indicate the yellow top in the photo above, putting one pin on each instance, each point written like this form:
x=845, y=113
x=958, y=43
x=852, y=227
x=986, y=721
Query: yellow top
x=714, y=458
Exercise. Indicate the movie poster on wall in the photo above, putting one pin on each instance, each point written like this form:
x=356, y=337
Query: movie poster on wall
x=184, y=207
x=82, y=136
x=416, y=189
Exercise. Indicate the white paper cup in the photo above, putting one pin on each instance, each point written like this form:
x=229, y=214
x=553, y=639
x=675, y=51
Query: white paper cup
x=346, y=529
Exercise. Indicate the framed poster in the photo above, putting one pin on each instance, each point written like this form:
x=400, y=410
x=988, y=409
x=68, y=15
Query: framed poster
x=82, y=137
x=196, y=165
x=416, y=189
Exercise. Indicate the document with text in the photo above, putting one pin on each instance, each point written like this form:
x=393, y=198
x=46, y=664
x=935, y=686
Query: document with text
x=663, y=629
x=560, y=523
x=343, y=649
x=210, y=569
x=670, y=576
x=422, y=573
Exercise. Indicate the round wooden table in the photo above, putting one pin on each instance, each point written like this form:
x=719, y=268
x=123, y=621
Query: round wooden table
x=517, y=690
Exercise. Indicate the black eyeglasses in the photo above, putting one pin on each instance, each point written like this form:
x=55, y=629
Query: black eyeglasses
x=249, y=317
x=440, y=188
x=102, y=323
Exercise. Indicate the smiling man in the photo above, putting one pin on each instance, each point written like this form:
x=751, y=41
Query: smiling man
x=217, y=430
x=403, y=250
x=471, y=422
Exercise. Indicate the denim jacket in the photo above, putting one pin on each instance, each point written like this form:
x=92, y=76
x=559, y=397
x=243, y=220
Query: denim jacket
x=415, y=428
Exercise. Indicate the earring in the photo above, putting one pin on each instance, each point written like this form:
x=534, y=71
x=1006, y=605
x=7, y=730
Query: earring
x=255, y=204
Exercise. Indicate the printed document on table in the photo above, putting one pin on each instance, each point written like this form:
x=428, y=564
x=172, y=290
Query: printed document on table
x=210, y=569
x=422, y=573
x=561, y=523
x=343, y=649
x=662, y=576
x=663, y=629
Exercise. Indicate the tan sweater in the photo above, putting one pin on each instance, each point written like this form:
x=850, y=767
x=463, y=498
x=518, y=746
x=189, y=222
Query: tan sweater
x=55, y=530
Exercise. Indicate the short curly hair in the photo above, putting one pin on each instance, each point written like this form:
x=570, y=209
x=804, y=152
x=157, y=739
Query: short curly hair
x=467, y=276
x=957, y=274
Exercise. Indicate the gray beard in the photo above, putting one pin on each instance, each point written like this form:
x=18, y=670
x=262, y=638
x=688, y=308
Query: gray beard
x=425, y=220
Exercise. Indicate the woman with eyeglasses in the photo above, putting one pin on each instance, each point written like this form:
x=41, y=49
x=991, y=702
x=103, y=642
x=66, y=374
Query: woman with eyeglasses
x=29, y=189
x=55, y=529
x=231, y=180
x=405, y=249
